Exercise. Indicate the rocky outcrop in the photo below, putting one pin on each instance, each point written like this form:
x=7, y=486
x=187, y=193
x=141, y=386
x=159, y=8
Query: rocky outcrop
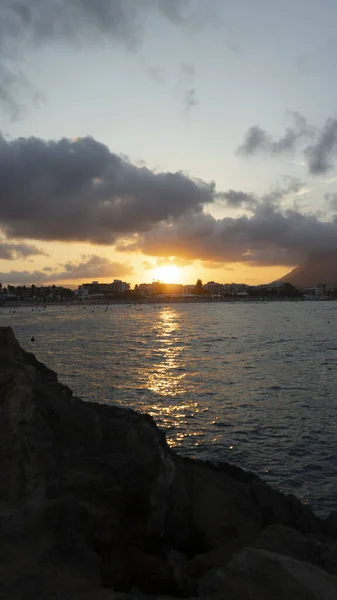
x=262, y=575
x=93, y=503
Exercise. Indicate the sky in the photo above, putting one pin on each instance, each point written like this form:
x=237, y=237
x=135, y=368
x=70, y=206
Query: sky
x=166, y=139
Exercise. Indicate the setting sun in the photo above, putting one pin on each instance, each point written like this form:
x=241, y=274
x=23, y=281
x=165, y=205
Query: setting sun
x=168, y=274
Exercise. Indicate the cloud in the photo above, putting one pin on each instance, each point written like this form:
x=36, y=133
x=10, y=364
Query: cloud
x=187, y=72
x=186, y=82
x=37, y=23
x=77, y=190
x=237, y=199
x=11, y=251
x=178, y=11
x=157, y=74
x=191, y=99
x=23, y=277
x=319, y=154
x=258, y=140
x=271, y=236
x=174, y=261
x=91, y=268
x=147, y=265
x=215, y=265
x=331, y=199
x=166, y=261
x=80, y=191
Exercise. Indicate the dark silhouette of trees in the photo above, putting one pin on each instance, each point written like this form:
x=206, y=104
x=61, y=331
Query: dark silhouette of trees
x=198, y=287
x=289, y=291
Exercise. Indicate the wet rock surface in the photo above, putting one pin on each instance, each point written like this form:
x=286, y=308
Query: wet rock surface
x=94, y=504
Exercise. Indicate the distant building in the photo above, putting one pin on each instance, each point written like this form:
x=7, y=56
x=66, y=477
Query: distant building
x=213, y=288
x=318, y=291
x=119, y=287
x=95, y=288
x=236, y=289
x=81, y=292
x=189, y=289
x=145, y=289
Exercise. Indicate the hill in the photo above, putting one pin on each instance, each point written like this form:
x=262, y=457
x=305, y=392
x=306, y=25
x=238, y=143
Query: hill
x=320, y=267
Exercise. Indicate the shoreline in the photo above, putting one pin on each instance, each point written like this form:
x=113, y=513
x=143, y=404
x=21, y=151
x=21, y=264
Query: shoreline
x=158, y=301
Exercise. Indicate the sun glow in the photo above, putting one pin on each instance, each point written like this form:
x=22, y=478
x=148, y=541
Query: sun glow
x=167, y=274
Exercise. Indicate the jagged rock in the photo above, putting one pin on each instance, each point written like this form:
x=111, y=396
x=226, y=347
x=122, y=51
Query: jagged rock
x=262, y=575
x=331, y=523
x=95, y=475
x=319, y=550
x=92, y=493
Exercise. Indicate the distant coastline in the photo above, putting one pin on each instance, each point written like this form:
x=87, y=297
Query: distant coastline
x=154, y=301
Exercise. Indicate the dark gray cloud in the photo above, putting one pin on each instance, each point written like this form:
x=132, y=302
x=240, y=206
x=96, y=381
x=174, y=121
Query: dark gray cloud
x=39, y=21
x=237, y=199
x=80, y=191
x=246, y=200
x=258, y=140
x=270, y=236
x=320, y=154
x=90, y=268
x=35, y=23
x=12, y=251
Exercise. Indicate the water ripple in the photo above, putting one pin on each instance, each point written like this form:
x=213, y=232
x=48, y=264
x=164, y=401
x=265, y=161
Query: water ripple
x=225, y=381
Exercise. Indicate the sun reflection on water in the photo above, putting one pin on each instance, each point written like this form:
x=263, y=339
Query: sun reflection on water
x=166, y=378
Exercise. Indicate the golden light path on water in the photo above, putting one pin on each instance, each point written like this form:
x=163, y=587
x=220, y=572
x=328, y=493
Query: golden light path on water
x=166, y=377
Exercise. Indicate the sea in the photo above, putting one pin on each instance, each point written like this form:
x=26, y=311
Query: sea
x=254, y=384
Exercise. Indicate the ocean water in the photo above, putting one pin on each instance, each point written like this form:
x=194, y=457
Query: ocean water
x=250, y=383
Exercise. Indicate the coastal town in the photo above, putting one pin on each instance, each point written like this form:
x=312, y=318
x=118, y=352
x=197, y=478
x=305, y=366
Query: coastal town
x=121, y=291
